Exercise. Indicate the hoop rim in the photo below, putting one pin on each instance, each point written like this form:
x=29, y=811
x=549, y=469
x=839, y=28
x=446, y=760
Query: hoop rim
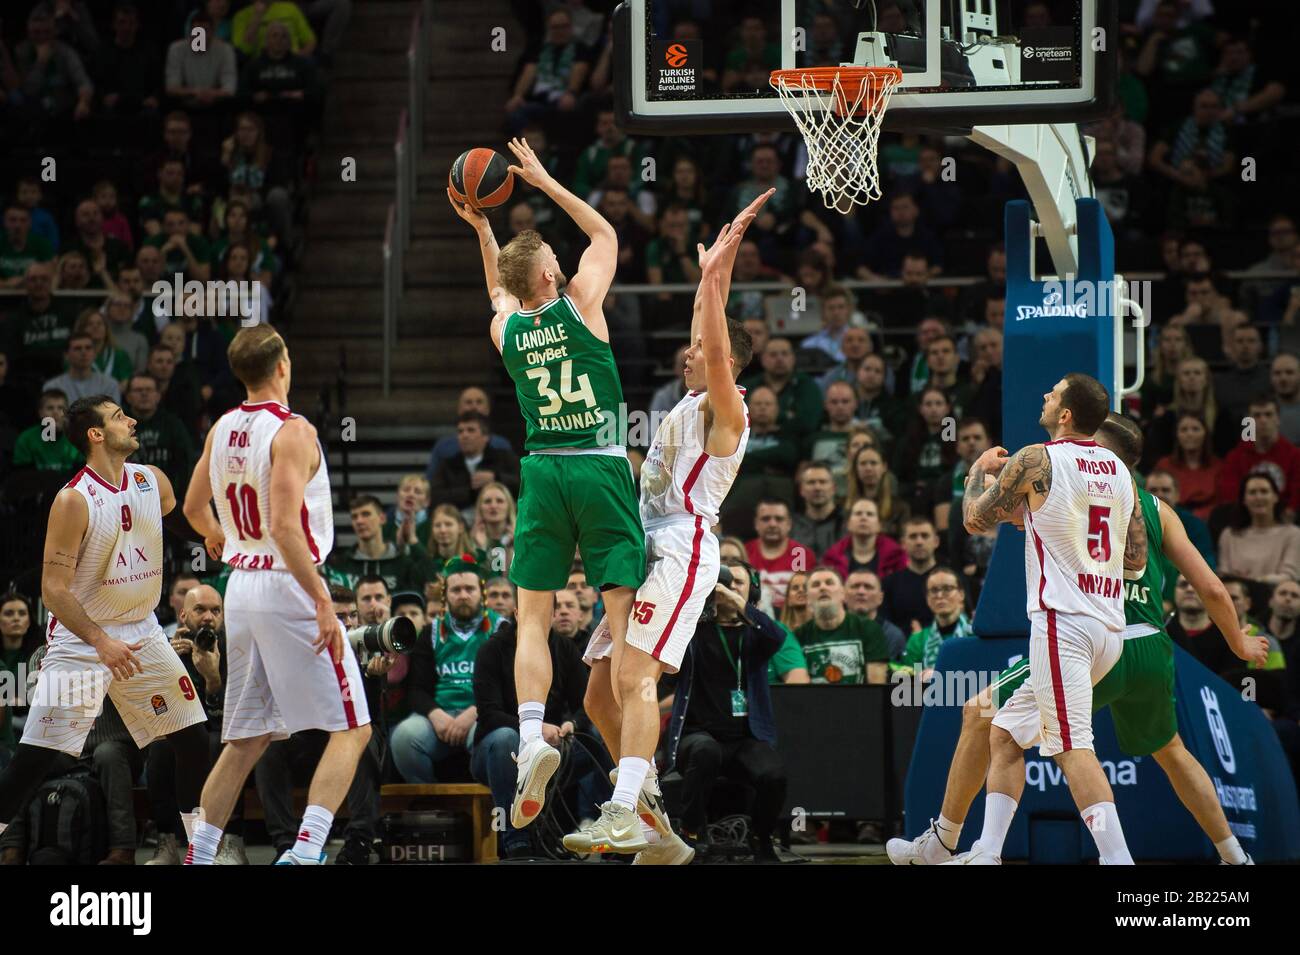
x=823, y=77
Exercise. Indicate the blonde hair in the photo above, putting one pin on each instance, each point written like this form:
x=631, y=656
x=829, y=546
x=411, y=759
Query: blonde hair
x=516, y=264
x=254, y=352
x=511, y=507
x=84, y=319
x=788, y=611
x=892, y=513
x=462, y=544
x=1208, y=407
x=1158, y=371
x=419, y=479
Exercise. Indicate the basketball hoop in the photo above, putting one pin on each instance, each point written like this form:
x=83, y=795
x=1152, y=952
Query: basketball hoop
x=838, y=110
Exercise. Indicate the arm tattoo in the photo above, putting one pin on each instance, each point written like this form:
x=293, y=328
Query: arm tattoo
x=1135, y=544
x=982, y=510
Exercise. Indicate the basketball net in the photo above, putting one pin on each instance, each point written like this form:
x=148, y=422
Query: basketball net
x=838, y=111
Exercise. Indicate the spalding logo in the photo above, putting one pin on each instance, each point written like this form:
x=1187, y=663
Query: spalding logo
x=1052, y=307
x=1218, y=730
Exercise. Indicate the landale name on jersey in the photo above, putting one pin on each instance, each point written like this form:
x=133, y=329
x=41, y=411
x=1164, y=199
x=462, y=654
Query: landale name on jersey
x=541, y=337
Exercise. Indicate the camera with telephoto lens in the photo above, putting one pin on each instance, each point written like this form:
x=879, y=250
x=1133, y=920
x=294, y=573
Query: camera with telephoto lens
x=710, y=611
x=205, y=638
x=394, y=635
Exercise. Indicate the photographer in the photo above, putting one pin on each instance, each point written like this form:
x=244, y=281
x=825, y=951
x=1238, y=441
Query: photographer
x=200, y=642
x=722, y=723
x=440, y=687
x=290, y=762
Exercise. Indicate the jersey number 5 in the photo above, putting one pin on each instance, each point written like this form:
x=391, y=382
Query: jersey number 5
x=242, y=499
x=567, y=393
x=1099, y=533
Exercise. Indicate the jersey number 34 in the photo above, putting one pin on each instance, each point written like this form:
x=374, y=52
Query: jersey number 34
x=554, y=402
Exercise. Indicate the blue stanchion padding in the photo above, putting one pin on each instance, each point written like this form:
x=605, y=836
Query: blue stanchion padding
x=1230, y=737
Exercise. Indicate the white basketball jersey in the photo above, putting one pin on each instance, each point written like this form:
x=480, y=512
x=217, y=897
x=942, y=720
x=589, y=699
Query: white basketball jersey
x=240, y=471
x=1074, y=543
x=119, y=564
x=679, y=477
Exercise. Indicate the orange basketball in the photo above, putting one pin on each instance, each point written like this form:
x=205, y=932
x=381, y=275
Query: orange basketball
x=481, y=178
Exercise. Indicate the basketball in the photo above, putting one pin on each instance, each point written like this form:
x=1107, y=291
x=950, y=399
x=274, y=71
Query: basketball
x=481, y=178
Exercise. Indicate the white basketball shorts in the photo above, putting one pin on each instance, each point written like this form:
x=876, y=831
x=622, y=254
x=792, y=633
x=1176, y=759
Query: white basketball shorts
x=276, y=682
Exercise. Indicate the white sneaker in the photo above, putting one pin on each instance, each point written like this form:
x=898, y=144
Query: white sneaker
x=287, y=857
x=976, y=856
x=671, y=849
x=925, y=849
x=1249, y=861
x=537, y=762
x=168, y=851
x=617, y=830
x=231, y=851
x=649, y=805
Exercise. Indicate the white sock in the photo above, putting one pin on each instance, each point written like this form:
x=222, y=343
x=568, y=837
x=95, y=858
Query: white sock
x=949, y=832
x=1230, y=851
x=1103, y=822
x=313, y=832
x=203, y=844
x=999, y=810
x=632, y=771
x=530, y=721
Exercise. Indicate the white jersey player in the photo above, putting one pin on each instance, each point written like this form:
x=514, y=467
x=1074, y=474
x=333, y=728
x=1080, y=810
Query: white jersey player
x=1083, y=536
x=692, y=463
x=101, y=581
x=264, y=469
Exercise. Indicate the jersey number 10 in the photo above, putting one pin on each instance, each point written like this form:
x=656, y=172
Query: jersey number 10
x=242, y=499
x=567, y=393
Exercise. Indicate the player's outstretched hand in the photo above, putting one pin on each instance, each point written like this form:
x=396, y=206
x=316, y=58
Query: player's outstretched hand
x=329, y=632
x=467, y=212
x=530, y=168
x=750, y=212
x=120, y=658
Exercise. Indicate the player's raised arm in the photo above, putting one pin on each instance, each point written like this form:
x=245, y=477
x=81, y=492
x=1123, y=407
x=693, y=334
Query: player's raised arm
x=69, y=518
x=1182, y=553
x=486, y=240
x=597, y=266
x=198, y=503
x=726, y=245
x=1028, y=471
x=1135, y=544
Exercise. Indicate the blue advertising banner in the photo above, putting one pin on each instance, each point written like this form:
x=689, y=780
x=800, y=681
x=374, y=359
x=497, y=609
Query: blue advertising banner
x=1230, y=737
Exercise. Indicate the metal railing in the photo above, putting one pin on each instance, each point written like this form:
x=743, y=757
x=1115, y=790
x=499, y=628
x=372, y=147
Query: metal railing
x=407, y=150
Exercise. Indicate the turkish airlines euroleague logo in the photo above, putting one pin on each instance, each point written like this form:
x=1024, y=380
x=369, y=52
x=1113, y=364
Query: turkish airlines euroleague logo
x=676, y=56
x=676, y=64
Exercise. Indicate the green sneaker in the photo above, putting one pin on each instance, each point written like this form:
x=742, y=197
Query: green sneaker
x=617, y=830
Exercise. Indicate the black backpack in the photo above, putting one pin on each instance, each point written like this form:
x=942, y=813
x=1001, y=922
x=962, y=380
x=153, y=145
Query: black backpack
x=67, y=822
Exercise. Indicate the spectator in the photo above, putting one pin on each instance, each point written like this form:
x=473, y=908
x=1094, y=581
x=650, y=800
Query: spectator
x=870, y=478
x=753, y=50
x=493, y=530
x=772, y=553
x=240, y=231
x=408, y=520
x=882, y=256
x=820, y=523
x=164, y=440
x=1175, y=57
x=915, y=300
x=588, y=599
x=117, y=309
x=985, y=401
x=836, y=310
x=838, y=645
x=712, y=733
x=796, y=611
x=199, y=163
x=1260, y=544
x=1247, y=91
x=865, y=548
x=471, y=399
x=855, y=346
x=749, y=305
x=552, y=78
x=181, y=392
x=457, y=479
x=780, y=213
x=947, y=602
x=919, y=373
x=19, y=639
x=1163, y=485
x=115, y=224
x=1194, y=394
x=829, y=445
x=173, y=195
x=770, y=460
x=1201, y=138
x=1248, y=376
x=252, y=27
x=1282, y=243
x=566, y=619
x=946, y=373
x=51, y=75
x=127, y=69
x=184, y=253
x=593, y=161
x=139, y=282
x=252, y=164
x=497, y=736
x=905, y=597
x=73, y=24
x=950, y=490
x=1264, y=450
x=1158, y=386
x=799, y=400
x=20, y=248
x=103, y=252
x=30, y=196
x=500, y=597
x=864, y=596
x=1127, y=140
x=1284, y=609
x=877, y=408
x=181, y=585
x=616, y=206
x=668, y=394
x=74, y=274
x=670, y=256
x=82, y=380
x=109, y=359
x=1283, y=306
x=928, y=449
x=441, y=680
x=1284, y=376
x=1192, y=629
x=202, y=78
x=282, y=85
x=687, y=188
x=374, y=556
x=1193, y=465
x=448, y=535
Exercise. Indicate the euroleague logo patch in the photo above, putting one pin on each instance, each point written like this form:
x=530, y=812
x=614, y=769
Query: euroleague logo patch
x=141, y=482
x=676, y=56
x=159, y=704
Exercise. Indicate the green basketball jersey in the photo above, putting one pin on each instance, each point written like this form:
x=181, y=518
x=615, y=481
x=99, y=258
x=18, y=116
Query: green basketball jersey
x=454, y=655
x=565, y=379
x=1144, y=598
